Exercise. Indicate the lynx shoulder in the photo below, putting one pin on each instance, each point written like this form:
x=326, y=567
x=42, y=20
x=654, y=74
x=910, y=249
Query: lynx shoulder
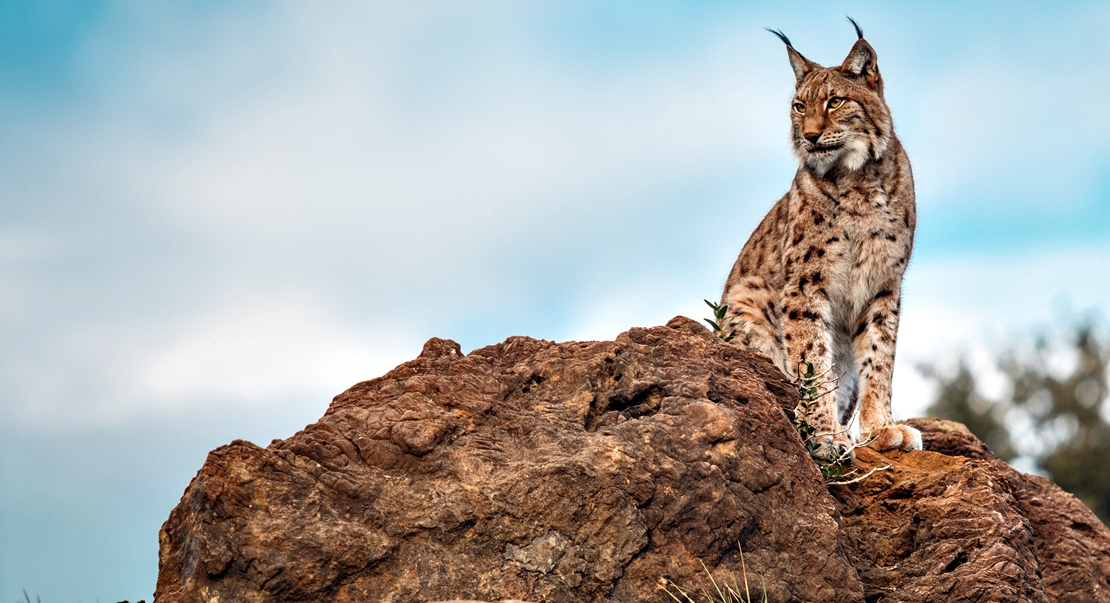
x=820, y=280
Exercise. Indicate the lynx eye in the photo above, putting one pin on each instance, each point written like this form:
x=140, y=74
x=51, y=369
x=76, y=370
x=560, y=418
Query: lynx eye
x=835, y=102
x=800, y=108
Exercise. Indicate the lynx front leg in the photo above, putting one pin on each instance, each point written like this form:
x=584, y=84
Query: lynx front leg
x=754, y=318
x=809, y=341
x=874, y=342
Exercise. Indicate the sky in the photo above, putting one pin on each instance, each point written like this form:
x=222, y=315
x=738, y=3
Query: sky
x=216, y=216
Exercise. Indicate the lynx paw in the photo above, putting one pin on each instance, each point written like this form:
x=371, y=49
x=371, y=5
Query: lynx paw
x=829, y=449
x=890, y=437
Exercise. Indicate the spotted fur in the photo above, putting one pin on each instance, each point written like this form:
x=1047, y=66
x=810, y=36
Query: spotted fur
x=820, y=279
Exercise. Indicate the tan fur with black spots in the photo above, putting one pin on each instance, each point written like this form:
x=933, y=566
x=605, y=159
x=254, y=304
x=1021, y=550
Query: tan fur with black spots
x=820, y=278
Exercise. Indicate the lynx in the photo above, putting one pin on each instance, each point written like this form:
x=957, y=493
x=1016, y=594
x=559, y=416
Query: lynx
x=819, y=280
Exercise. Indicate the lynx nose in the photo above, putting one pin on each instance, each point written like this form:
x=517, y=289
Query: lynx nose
x=812, y=137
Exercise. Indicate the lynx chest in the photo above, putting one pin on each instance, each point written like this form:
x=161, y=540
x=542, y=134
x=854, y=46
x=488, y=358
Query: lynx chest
x=857, y=244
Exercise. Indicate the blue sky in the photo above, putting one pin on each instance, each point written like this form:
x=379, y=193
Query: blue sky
x=214, y=217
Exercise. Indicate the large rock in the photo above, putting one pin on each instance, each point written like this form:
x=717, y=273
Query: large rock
x=531, y=470
x=955, y=523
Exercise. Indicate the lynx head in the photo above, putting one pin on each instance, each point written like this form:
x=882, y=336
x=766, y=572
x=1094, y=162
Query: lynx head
x=839, y=116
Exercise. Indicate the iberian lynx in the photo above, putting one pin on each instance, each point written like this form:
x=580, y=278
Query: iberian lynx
x=820, y=279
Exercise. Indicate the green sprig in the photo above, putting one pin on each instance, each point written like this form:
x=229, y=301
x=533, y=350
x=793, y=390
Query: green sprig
x=717, y=322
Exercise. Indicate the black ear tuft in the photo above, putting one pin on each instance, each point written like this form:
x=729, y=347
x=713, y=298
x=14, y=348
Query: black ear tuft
x=782, y=36
x=859, y=32
x=798, y=63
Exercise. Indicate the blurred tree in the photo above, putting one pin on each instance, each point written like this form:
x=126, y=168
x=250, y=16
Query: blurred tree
x=958, y=400
x=1054, y=418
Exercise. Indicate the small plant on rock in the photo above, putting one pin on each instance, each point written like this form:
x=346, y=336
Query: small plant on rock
x=717, y=322
x=811, y=388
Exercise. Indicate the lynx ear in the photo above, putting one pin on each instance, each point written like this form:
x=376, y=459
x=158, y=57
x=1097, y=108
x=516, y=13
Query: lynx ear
x=798, y=63
x=862, y=64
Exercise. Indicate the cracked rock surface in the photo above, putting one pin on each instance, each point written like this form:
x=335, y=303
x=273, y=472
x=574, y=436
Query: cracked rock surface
x=587, y=471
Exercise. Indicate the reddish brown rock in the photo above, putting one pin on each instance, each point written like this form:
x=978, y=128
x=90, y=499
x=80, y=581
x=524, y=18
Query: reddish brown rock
x=537, y=471
x=955, y=523
x=524, y=470
x=1072, y=546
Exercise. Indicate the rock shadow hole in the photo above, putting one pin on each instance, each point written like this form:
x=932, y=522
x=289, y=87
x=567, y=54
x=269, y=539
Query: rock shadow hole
x=961, y=558
x=609, y=408
x=532, y=382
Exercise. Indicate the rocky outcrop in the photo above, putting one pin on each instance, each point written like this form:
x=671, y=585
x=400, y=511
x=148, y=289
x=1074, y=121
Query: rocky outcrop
x=1071, y=547
x=589, y=471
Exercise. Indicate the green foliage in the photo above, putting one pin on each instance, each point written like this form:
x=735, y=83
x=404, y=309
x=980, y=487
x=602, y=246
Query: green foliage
x=812, y=387
x=1057, y=419
x=717, y=322
x=731, y=593
x=807, y=384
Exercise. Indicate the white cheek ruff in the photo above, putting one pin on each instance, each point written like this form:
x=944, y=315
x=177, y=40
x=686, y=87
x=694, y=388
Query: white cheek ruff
x=822, y=163
x=856, y=153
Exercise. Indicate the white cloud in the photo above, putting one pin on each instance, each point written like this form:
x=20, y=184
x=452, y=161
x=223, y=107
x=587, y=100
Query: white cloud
x=19, y=251
x=267, y=350
x=253, y=351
